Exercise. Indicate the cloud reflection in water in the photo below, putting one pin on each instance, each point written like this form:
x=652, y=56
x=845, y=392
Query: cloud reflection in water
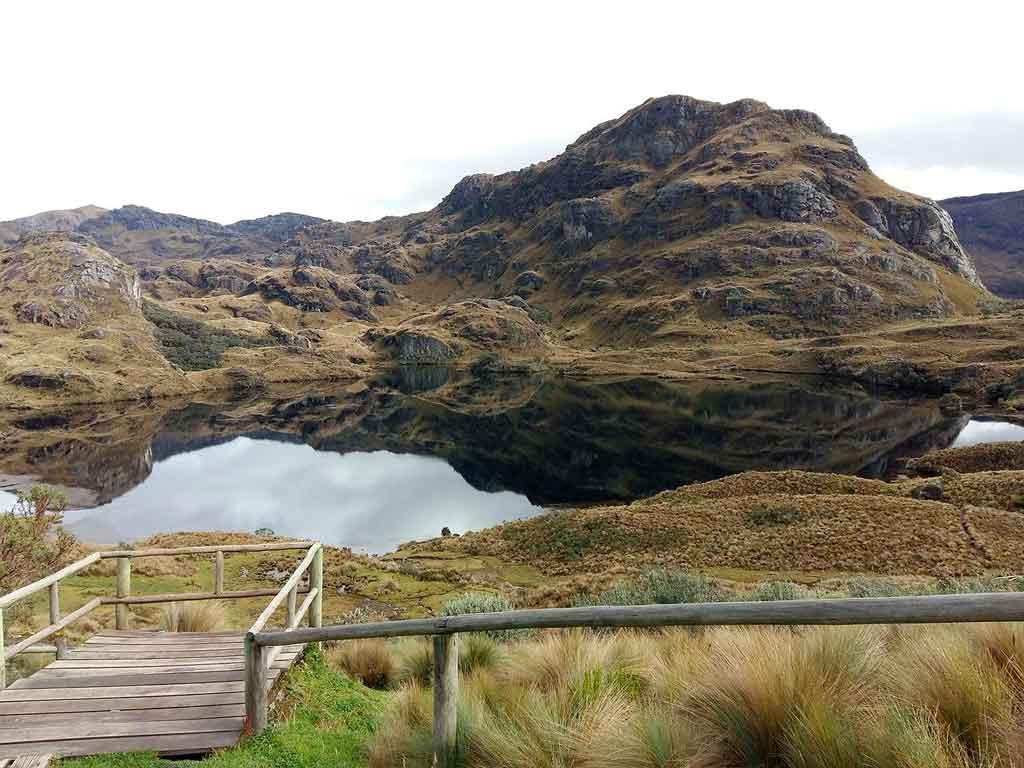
x=366, y=501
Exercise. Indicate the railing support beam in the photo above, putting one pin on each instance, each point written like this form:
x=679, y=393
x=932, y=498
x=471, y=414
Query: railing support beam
x=255, y=686
x=218, y=573
x=124, y=588
x=446, y=694
x=316, y=581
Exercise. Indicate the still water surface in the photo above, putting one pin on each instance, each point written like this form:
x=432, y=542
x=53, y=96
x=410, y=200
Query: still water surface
x=375, y=464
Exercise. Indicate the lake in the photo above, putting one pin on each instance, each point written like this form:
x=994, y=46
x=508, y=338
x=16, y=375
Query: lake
x=372, y=464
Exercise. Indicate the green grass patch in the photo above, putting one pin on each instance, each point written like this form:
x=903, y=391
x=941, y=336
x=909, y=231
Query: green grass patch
x=192, y=344
x=330, y=720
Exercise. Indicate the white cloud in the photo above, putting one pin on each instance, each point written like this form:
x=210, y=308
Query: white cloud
x=232, y=110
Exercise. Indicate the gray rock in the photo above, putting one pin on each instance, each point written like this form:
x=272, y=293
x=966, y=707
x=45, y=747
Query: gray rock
x=417, y=347
x=932, y=490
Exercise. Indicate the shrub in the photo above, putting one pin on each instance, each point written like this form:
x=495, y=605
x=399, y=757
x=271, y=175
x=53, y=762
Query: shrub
x=194, y=616
x=192, y=344
x=661, y=587
x=777, y=590
x=32, y=541
x=371, y=662
x=480, y=602
x=415, y=661
x=479, y=652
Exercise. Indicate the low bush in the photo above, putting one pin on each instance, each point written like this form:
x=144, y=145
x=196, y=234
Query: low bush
x=661, y=587
x=371, y=662
x=192, y=344
x=480, y=602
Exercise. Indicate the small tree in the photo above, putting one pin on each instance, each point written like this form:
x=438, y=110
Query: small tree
x=32, y=541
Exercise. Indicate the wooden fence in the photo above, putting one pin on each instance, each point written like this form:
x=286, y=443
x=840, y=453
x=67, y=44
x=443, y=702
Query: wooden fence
x=935, y=609
x=123, y=598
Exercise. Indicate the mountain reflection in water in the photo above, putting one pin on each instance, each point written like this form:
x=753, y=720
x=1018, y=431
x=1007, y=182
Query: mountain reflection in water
x=376, y=462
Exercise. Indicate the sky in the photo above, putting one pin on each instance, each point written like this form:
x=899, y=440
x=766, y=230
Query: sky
x=229, y=110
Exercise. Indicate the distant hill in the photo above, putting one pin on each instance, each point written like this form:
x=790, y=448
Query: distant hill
x=991, y=229
x=56, y=221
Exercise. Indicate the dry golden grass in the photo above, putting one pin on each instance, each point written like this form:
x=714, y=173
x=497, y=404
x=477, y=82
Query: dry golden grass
x=875, y=697
x=194, y=616
x=971, y=458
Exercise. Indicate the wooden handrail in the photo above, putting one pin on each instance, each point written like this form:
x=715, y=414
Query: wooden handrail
x=986, y=607
x=282, y=593
x=257, y=658
x=123, y=599
x=212, y=549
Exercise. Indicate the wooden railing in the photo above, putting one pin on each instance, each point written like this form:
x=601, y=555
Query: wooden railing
x=123, y=598
x=893, y=610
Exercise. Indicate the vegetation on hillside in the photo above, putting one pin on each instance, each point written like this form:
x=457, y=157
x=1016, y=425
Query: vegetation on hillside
x=192, y=344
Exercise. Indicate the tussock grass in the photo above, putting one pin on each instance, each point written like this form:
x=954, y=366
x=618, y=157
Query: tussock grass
x=194, y=616
x=877, y=697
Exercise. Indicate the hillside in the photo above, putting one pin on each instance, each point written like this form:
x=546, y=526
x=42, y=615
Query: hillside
x=684, y=235
x=55, y=221
x=991, y=228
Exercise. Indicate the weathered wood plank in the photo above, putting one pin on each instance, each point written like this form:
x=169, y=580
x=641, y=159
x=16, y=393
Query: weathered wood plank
x=126, y=716
x=196, y=664
x=128, y=650
x=97, y=728
x=118, y=691
x=45, y=632
x=153, y=653
x=173, y=744
x=169, y=639
x=118, y=704
x=283, y=662
x=103, y=680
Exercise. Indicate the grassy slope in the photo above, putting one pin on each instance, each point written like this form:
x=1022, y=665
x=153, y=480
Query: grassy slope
x=328, y=720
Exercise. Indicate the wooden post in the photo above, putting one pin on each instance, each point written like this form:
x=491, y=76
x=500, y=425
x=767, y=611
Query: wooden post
x=55, y=602
x=62, y=648
x=446, y=694
x=316, y=581
x=293, y=597
x=218, y=573
x=255, y=686
x=124, y=589
x=3, y=657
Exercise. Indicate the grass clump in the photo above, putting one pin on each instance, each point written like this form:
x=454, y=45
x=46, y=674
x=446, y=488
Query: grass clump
x=774, y=515
x=194, y=616
x=371, y=662
x=192, y=344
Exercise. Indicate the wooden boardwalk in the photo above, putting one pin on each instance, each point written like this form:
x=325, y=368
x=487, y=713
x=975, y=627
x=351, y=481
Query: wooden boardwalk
x=172, y=693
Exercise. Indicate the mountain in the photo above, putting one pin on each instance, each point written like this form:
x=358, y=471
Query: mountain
x=991, y=228
x=58, y=221
x=685, y=235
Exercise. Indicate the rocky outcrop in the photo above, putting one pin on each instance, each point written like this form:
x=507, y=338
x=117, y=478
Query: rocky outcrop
x=923, y=227
x=314, y=289
x=67, y=281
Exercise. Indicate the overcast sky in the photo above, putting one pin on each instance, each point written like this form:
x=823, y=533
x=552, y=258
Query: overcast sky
x=229, y=110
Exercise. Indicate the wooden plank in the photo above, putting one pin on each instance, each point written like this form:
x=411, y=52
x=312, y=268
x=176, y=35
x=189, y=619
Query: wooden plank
x=134, y=648
x=168, y=638
x=158, y=632
x=273, y=546
x=283, y=662
x=104, y=680
x=196, y=664
x=931, y=609
x=96, y=728
x=126, y=716
x=113, y=705
x=172, y=744
x=154, y=653
x=118, y=691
